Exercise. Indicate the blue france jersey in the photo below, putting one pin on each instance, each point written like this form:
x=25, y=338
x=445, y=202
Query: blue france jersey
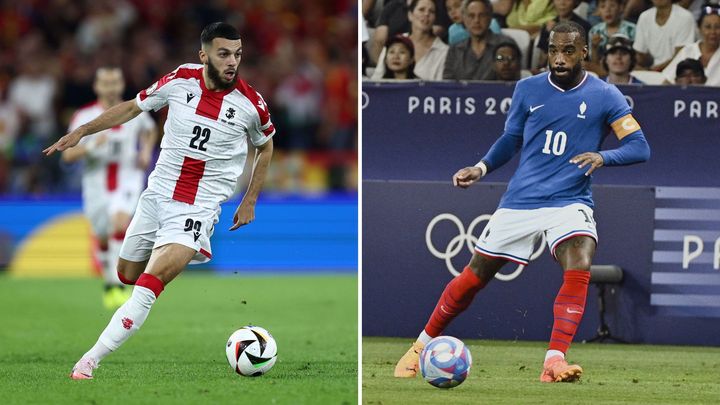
x=555, y=125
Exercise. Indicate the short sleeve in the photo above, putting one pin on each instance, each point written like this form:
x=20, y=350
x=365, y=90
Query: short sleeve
x=263, y=128
x=686, y=32
x=640, y=43
x=155, y=97
x=75, y=121
x=618, y=106
x=517, y=115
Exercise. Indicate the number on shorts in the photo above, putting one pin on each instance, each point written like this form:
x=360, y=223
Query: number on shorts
x=190, y=225
x=587, y=218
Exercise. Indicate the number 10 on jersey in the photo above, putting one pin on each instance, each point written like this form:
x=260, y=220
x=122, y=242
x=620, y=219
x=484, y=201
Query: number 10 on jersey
x=558, y=141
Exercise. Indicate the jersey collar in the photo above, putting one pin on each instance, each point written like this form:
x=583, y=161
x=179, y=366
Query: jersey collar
x=563, y=90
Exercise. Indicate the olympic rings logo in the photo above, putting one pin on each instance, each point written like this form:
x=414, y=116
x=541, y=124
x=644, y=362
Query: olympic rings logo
x=466, y=238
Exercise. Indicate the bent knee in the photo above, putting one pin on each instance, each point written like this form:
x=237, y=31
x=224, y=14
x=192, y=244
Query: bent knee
x=128, y=271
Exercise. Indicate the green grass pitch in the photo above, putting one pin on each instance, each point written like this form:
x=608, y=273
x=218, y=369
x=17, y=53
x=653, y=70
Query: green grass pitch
x=178, y=356
x=506, y=372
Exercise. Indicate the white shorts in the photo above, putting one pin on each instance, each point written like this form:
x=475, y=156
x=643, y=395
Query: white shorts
x=159, y=221
x=512, y=234
x=95, y=209
x=125, y=197
x=99, y=205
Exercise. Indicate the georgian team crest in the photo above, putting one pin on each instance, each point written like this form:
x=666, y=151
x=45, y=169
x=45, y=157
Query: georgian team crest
x=230, y=113
x=583, y=108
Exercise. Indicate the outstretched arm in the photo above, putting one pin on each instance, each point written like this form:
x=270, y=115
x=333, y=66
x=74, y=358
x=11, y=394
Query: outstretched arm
x=113, y=116
x=245, y=213
x=500, y=153
x=78, y=152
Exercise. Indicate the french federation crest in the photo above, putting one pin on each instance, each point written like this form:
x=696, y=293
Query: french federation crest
x=583, y=108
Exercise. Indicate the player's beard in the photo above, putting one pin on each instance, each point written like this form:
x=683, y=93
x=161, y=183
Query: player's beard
x=217, y=79
x=569, y=79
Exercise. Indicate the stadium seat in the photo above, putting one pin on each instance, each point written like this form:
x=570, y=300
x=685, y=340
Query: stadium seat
x=522, y=39
x=601, y=276
x=649, y=76
x=582, y=10
x=534, y=52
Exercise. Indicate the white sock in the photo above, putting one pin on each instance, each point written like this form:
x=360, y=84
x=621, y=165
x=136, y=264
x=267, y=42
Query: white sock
x=110, y=271
x=98, y=352
x=551, y=353
x=424, y=338
x=128, y=318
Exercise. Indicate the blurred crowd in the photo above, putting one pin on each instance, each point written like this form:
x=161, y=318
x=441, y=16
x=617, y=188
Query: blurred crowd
x=629, y=41
x=301, y=55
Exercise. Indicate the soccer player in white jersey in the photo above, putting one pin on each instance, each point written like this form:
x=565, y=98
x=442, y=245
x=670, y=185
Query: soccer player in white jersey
x=113, y=175
x=212, y=116
x=559, y=120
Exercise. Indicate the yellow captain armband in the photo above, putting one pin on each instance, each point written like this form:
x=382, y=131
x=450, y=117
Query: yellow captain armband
x=625, y=126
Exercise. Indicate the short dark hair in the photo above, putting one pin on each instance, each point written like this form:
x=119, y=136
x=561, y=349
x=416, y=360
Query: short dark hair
x=466, y=4
x=106, y=68
x=218, y=30
x=568, y=27
x=693, y=65
x=508, y=44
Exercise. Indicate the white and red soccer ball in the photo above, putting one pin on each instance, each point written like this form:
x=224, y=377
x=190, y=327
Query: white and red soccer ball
x=251, y=351
x=445, y=362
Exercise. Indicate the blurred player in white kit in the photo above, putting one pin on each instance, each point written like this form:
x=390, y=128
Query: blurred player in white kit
x=113, y=175
x=212, y=117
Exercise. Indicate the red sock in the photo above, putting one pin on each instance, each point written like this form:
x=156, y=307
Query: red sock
x=457, y=296
x=151, y=282
x=124, y=280
x=569, y=308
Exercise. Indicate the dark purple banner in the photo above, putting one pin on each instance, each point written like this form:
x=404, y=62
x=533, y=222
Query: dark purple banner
x=426, y=131
x=417, y=234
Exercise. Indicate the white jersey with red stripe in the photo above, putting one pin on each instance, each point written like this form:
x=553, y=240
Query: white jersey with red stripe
x=205, y=145
x=110, y=164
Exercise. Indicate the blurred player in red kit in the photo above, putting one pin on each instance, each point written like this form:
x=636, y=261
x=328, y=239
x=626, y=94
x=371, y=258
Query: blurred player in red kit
x=113, y=175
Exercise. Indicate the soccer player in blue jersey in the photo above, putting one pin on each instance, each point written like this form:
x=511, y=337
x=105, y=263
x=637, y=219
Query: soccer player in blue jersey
x=559, y=120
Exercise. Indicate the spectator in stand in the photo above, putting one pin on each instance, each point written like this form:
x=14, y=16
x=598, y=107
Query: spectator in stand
x=52, y=48
x=507, y=62
x=430, y=50
x=399, y=62
x=564, y=10
x=611, y=12
x=690, y=72
x=619, y=60
x=707, y=50
x=528, y=15
x=473, y=59
x=456, y=31
x=660, y=33
x=394, y=20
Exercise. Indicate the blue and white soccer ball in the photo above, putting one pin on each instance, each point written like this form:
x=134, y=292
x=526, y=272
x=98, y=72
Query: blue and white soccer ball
x=445, y=362
x=251, y=351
